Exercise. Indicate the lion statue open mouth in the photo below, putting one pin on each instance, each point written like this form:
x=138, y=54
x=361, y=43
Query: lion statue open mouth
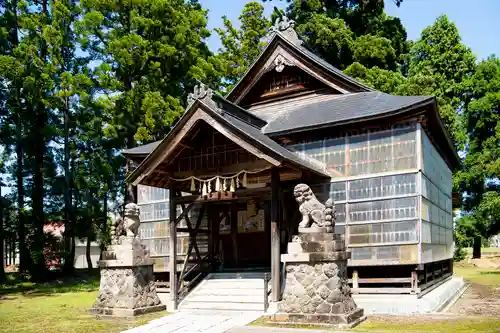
x=314, y=213
x=127, y=226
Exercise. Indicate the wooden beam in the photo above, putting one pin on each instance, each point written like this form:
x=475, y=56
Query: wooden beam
x=275, y=236
x=375, y=280
x=224, y=170
x=173, y=248
x=237, y=194
x=239, y=141
x=381, y=290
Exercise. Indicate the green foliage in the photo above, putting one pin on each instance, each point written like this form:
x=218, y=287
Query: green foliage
x=66, y=115
x=240, y=47
x=440, y=54
x=480, y=176
x=375, y=51
x=150, y=53
x=343, y=32
x=330, y=36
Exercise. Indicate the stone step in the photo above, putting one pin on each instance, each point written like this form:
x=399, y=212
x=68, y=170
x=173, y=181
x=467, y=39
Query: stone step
x=187, y=304
x=232, y=284
x=244, y=275
x=322, y=246
x=227, y=291
x=320, y=237
x=228, y=298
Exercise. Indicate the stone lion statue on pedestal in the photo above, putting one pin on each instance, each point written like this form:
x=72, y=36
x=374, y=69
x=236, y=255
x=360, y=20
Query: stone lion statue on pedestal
x=128, y=226
x=314, y=213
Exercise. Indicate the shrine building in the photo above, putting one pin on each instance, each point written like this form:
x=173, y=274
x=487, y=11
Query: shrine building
x=230, y=164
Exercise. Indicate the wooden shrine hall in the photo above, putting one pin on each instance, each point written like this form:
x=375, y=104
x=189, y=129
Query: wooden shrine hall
x=230, y=164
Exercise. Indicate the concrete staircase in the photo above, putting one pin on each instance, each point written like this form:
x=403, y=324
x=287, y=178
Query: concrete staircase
x=223, y=292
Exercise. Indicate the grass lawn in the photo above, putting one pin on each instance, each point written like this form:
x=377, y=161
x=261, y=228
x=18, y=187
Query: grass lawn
x=57, y=308
x=484, y=276
x=434, y=325
x=484, y=250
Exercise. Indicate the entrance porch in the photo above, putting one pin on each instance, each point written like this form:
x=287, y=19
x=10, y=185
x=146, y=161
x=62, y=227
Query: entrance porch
x=230, y=191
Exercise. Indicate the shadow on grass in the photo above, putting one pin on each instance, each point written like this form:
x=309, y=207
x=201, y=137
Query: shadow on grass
x=81, y=281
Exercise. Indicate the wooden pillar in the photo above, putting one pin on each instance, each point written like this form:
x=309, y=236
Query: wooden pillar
x=131, y=191
x=414, y=281
x=275, y=236
x=355, y=282
x=173, y=248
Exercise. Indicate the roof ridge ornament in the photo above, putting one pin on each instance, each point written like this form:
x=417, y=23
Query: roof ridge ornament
x=203, y=93
x=286, y=28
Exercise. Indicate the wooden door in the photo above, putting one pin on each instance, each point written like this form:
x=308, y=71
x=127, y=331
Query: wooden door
x=253, y=238
x=226, y=237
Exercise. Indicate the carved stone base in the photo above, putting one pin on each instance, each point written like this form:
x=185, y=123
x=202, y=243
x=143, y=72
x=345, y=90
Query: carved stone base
x=341, y=321
x=113, y=312
x=130, y=252
x=316, y=288
x=315, y=230
x=127, y=291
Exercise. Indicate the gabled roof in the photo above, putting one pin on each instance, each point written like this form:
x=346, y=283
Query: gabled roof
x=142, y=151
x=208, y=109
x=354, y=104
x=337, y=110
x=285, y=43
x=315, y=113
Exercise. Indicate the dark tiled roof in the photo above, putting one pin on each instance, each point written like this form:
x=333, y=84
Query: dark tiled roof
x=255, y=135
x=143, y=150
x=335, y=110
x=245, y=130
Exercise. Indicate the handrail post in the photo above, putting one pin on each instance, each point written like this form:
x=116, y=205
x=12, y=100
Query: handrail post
x=266, y=291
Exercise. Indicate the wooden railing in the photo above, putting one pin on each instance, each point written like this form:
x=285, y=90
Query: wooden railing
x=266, y=291
x=186, y=287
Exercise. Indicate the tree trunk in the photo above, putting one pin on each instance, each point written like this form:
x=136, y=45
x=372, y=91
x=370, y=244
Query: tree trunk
x=69, y=259
x=2, y=240
x=476, y=248
x=38, y=172
x=24, y=255
x=102, y=244
x=87, y=254
x=10, y=252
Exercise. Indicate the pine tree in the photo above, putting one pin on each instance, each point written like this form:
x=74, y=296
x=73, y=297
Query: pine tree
x=240, y=47
x=149, y=53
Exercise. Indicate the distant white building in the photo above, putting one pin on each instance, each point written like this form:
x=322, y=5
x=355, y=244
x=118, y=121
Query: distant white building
x=81, y=253
x=494, y=241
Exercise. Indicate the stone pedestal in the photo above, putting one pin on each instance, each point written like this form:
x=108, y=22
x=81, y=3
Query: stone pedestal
x=316, y=289
x=127, y=285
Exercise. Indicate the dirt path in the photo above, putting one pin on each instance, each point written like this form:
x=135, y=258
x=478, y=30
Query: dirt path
x=481, y=299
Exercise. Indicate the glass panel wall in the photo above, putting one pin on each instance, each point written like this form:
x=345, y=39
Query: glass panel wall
x=436, y=210
x=371, y=152
x=380, y=213
x=154, y=230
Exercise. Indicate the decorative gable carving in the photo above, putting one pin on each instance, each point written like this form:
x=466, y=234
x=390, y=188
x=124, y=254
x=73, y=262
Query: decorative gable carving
x=286, y=28
x=280, y=62
x=203, y=93
x=284, y=50
x=282, y=80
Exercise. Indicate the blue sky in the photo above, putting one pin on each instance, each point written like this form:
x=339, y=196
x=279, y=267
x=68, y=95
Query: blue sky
x=478, y=21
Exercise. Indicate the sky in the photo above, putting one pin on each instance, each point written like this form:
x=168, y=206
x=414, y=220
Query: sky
x=478, y=21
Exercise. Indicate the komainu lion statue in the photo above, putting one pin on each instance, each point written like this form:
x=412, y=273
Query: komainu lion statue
x=128, y=225
x=314, y=213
